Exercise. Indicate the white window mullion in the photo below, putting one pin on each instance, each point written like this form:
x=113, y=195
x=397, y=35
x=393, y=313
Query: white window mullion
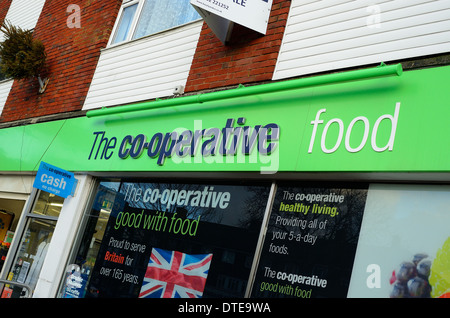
x=135, y=20
x=116, y=27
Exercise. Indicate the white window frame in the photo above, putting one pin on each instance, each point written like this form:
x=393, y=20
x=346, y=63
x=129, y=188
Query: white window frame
x=126, y=4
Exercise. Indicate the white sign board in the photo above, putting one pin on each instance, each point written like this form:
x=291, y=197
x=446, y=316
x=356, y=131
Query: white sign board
x=253, y=14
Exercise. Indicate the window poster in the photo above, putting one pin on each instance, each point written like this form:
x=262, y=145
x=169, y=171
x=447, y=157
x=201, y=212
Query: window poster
x=178, y=240
x=404, y=245
x=310, y=242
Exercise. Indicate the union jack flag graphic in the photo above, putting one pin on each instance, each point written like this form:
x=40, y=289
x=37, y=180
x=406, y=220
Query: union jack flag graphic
x=172, y=274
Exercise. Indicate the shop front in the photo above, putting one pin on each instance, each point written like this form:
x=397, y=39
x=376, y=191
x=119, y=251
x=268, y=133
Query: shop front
x=14, y=192
x=332, y=186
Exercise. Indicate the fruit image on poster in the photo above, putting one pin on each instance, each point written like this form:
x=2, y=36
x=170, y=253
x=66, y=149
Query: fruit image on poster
x=404, y=244
x=440, y=272
x=310, y=242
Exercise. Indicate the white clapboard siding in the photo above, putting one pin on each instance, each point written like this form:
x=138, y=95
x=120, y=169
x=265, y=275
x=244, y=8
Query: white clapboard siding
x=5, y=87
x=24, y=14
x=335, y=34
x=144, y=69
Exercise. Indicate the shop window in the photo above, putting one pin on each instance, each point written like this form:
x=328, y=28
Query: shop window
x=404, y=246
x=6, y=220
x=140, y=18
x=163, y=240
x=356, y=240
x=28, y=261
x=311, y=241
x=322, y=240
x=228, y=257
x=32, y=253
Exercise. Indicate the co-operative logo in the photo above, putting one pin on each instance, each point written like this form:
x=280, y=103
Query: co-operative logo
x=236, y=142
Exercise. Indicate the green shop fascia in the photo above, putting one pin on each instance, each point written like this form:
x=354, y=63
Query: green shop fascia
x=372, y=120
x=149, y=162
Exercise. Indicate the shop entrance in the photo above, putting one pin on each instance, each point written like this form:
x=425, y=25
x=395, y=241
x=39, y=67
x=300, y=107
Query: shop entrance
x=35, y=230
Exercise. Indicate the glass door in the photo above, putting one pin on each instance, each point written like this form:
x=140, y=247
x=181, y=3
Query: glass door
x=31, y=252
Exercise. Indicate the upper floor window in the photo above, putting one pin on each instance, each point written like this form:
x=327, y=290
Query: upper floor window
x=138, y=18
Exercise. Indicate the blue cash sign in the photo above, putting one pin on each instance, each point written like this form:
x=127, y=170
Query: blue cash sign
x=55, y=180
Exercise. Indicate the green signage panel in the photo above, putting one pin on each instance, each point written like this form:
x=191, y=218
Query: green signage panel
x=393, y=123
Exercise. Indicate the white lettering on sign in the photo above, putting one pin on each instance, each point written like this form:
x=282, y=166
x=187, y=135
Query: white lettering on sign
x=348, y=132
x=170, y=197
x=54, y=182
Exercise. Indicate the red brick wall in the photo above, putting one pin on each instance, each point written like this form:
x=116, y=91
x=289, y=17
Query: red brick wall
x=4, y=7
x=72, y=55
x=249, y=57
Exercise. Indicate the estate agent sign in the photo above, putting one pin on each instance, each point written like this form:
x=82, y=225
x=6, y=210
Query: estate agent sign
x=220, y=15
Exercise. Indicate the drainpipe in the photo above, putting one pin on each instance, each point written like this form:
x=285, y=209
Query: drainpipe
x=379, y=71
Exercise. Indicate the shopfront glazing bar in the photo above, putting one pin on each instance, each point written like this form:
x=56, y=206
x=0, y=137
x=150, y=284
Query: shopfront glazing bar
x=379, y=71
x=262, y=236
